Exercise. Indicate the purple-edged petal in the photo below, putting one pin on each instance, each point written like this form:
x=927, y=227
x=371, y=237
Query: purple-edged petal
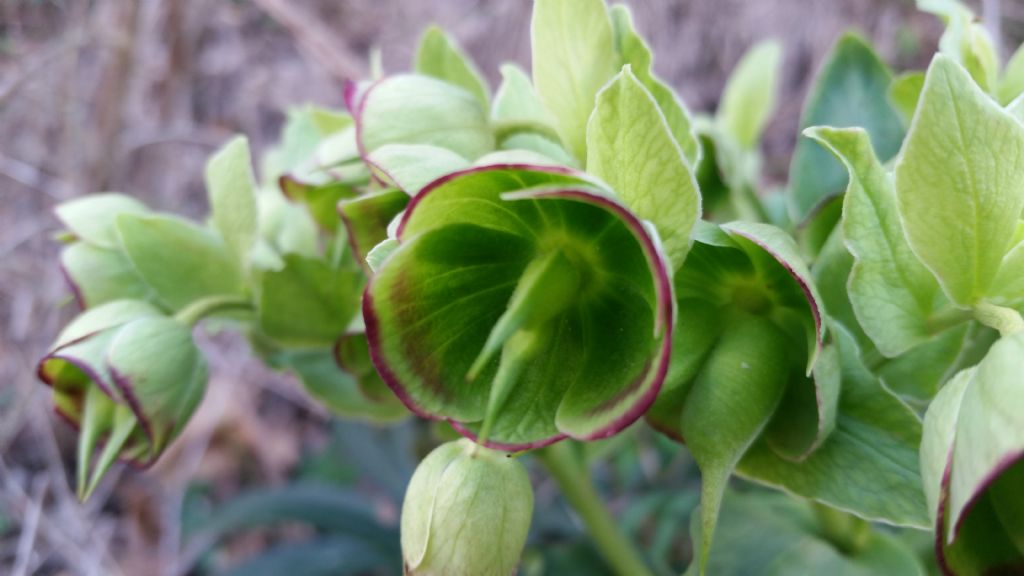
x=463, y=247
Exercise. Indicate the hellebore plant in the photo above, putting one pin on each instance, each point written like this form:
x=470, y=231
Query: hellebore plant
x=554, y=261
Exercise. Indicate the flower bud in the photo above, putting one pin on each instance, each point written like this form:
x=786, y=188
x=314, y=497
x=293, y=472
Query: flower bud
x=129, y=378
x=467, y=512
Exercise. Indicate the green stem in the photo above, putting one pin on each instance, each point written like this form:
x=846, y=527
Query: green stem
x=1006, y=320
x=574, y=479
x=203, y=307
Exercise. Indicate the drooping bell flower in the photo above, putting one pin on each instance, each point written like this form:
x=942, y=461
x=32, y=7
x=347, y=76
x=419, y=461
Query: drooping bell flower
x=466, y=513
x=748, y=363
x=129, y=378
x=524, y=304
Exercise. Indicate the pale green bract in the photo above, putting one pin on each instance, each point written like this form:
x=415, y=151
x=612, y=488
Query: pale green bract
x=749, y=97
x=573, y=57
x=960, y=199
x=231, y=187
x=892, y=293
x=440, y=57
x=630, y=147
x=633, y=50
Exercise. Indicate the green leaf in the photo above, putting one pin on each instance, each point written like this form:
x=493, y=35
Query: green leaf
x=960, y=208
x=231, y=187
x=439, y=56
x=630, y=147
x=317, y=557
x=334, y=511
x=749, y=96
x=516, y=99
x=573, y=57
x=307, y=302
x=850, y=90
x=869, y=464
x=904, y=93
x=894, y=296
x=732, y=401
x=1011, y=84
x=1008, y=287
x=410, y=167
x=181, y=261
x=775, y=534
x=103, y=317
x=100, y=275
x=633, y=50
x=414, y=109
x=91, y=218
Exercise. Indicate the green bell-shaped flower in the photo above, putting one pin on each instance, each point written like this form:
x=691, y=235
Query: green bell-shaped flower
x=466, y=513
x=524, y=304
x=129, y=378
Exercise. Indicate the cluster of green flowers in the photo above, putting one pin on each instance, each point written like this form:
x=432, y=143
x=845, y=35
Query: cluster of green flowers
x=577, y=251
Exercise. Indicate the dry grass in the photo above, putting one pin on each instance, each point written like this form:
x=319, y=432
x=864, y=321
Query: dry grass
x=132, y=96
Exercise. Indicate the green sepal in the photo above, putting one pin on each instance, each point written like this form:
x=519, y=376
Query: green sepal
x=634, y=51
x=415, y=109
x=231, y=187
x=630, y=146
x=868, y=465
x=308, y=302
x=959, y=209
x=180, y=261
x=91, y=218
x=896, y=299
x=410, y=167
x=730, y=404
x=439, y=56
x=100, y=275
x=573, y=49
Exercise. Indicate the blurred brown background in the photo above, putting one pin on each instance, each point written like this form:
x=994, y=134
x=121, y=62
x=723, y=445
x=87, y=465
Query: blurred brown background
x=133, y=95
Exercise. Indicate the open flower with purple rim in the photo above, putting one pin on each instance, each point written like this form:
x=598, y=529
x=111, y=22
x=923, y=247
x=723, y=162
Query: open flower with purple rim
x=129, y=378
x=524, y=304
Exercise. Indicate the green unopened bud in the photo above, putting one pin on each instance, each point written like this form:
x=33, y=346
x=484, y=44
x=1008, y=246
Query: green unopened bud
x=129, y=378
x=467, y=512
